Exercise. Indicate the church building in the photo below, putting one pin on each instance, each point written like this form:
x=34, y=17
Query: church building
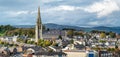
x=38, y=28
x=48, y=35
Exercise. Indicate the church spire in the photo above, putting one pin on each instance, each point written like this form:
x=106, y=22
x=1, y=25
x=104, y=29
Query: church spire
x=39, y=16
x=38, y=28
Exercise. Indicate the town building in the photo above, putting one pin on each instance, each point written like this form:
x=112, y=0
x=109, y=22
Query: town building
x=10, y=39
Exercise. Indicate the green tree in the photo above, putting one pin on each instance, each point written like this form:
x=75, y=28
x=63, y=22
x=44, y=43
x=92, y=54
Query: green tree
x=20, y=40
x=60, y=37
x=102, y=35
x=112, y=35
x=102, y=41
x=71, y=41
x=70, y=33
x=40, y=42
x=47, y=43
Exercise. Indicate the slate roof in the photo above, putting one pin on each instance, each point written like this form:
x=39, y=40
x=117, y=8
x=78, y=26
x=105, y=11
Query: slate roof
x=49, y=53
x=3, y=55
x=36, y=48
x=54, y=32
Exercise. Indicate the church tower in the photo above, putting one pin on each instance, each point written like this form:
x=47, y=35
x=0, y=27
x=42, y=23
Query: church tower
x=38, y=28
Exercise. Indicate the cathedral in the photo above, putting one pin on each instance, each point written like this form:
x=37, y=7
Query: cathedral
x=47, y=35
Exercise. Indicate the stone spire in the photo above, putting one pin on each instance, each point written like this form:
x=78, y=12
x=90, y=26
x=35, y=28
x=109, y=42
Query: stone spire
x=38, y=28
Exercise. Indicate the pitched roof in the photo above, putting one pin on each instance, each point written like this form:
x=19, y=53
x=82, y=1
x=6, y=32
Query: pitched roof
x=50, y=53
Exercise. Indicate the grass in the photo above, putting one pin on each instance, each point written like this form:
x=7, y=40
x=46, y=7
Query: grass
x=2, y=34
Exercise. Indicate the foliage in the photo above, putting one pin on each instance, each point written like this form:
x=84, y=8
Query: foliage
x=5, y=28
x=112, y=35
x=20, y=40
x=7, y=44
x=60, y=37
x=68, y=29
x=94, y=31
x=26, y=31
x=102, y=41
x=102, y=35
x=8, y=30
x=79, y=34
x=71, y=41
x=111, y=49
x=44, y=43
x=30, y=42
x=70, y=33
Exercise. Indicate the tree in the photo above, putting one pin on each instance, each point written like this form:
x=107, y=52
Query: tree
x=40, y=42
x=28, y=42
x=44, y=43
x=102, y=35
x=47, y=43
x=1, y=42
x=102, y=41
x=71, y=41
x=79, y=34
x=5, y=28
x=70, y=33
x=112, y=35
x=94, y=31
x=60, y=37
x=22, y=31
x=20, y=40
x=117, y=52
x=116, y=47
x=43, y=27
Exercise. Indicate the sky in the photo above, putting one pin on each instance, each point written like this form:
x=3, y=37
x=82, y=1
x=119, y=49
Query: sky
x=64, y=12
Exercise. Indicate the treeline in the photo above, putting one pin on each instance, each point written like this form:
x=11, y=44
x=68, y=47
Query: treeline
x=5, y=28
x=103, y=34
x=30, y=32
x=8, y=30
x=41, y=42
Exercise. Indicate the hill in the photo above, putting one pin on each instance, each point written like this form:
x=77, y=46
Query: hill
x=56, y=26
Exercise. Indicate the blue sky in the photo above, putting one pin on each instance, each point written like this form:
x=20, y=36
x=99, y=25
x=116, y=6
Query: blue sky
x=65, y=12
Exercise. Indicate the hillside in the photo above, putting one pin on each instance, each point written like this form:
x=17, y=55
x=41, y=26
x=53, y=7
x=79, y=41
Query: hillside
x=56, y=26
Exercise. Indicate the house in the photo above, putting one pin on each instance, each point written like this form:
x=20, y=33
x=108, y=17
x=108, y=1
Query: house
x=49, y=54
x=10, y=39
x=5, y=51
x=32, y=49
x=13, y=50
x=39, y=51
x=3, y=55
x=76, y=46
x=105, y=54
x=73, y=53
x=80, y=53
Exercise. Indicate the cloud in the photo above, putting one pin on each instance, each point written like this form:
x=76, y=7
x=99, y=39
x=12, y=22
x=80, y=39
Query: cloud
x=94, y=23
x=20, y=13
x=15, y=13
x=63, y=8
x=66, y=12
x=48, y=1
x=103, y=8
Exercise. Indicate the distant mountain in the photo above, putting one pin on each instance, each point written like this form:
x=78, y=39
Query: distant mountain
x=24, y=26
x=113, y=29
x=56, y=26
x=50, y=26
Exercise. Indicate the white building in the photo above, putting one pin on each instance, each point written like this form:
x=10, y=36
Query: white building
x=10, y=39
